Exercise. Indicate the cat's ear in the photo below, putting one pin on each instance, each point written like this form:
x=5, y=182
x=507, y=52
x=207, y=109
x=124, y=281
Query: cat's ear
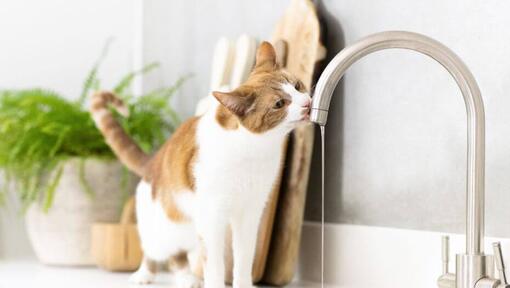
x=236, y=102
x=266, y=57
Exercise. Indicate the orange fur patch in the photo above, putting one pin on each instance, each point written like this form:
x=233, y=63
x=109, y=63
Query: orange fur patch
x=253, y=103
x=171, y=169
x=178, y=262
x=226, y=119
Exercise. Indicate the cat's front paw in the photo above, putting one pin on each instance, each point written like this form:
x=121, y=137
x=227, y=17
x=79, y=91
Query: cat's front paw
x=214, y=285
x=141, y=277
x=244, y=284
x=188, y=281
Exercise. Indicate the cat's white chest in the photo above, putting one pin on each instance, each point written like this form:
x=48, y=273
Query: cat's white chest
x=234, y=167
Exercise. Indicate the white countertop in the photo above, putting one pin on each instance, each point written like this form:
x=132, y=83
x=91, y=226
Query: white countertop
x=30, y=273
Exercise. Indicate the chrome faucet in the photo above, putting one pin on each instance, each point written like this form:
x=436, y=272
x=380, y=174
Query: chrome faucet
x=474, y=268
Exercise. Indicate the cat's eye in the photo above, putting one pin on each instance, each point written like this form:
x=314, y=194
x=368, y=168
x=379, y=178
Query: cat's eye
x=279, y=104
x=298, y=86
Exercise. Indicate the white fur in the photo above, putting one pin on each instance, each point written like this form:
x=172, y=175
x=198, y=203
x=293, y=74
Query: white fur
x=185, y=279
x=143, y=275
x=234, y=174
x=160, y=237
x=299, y=100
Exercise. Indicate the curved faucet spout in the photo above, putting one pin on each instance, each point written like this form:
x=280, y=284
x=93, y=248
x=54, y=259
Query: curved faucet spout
x=470, y=91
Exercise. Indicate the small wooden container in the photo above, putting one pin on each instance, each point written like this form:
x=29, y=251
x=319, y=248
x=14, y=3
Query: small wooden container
x=116, y=246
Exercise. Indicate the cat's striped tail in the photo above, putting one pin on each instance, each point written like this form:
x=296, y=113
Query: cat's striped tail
x=128, y=152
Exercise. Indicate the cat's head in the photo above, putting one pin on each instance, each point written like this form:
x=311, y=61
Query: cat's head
x=270, y=98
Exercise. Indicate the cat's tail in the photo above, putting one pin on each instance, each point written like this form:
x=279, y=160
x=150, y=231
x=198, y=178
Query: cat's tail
x=128, y=152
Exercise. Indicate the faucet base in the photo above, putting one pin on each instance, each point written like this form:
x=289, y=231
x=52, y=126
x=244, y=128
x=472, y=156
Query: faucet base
x=446, y=281
x=471, y=268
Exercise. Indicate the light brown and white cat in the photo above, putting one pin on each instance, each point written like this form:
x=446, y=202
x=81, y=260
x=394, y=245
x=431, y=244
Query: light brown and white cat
x=216, y=170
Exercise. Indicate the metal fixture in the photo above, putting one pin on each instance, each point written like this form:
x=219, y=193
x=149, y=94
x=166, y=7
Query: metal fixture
x=500, y=265
x=474, y=268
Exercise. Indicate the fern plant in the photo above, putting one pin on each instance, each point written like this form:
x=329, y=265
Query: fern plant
x=40, y=129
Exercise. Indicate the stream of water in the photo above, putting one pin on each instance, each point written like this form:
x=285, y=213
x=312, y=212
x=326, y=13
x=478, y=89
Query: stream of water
x=323, y=135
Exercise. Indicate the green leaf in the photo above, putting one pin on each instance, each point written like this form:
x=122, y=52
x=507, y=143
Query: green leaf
x=39, y=129
x=91, y=80
x=83, y=180
x=3, y=192
x=126, y=81
x=50, y=191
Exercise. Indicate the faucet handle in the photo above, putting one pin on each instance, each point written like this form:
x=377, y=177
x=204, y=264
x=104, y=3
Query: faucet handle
x=445, y=252
x=446, y=280
x=500, y=264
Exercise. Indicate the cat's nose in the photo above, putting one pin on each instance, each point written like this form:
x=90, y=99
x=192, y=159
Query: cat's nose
x=307, y=104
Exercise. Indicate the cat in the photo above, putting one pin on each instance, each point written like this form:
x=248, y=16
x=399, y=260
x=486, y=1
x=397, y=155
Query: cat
x=216, y=170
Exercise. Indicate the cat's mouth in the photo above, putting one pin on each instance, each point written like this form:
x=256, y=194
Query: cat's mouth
x=305, y=115
x=305, y=112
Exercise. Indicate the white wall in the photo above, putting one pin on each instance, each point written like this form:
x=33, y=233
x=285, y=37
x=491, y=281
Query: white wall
x=396, y=135
x=397, y=130
x=53, y=44
x=181, y=35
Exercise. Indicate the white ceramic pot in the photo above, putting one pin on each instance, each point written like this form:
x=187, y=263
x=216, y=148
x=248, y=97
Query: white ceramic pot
x=62, y=235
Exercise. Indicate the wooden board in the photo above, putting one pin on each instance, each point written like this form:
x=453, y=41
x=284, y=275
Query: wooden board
x=300, y=29
x=116, y=246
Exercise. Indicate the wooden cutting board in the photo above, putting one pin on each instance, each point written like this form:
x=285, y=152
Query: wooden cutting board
x=300, y=29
